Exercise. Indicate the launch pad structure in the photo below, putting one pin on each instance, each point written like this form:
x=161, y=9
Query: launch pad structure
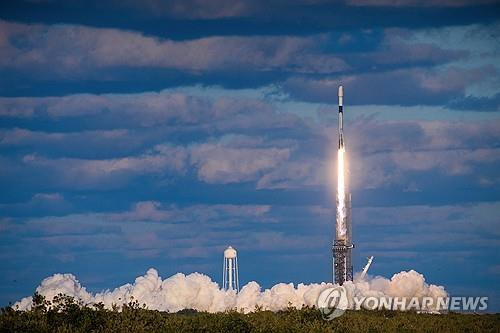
x=342, y=252
x=342, y=244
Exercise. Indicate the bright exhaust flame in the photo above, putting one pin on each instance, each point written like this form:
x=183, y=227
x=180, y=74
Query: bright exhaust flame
x=341, y=209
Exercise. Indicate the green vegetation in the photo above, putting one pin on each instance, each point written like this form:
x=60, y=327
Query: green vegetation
x=63, y=314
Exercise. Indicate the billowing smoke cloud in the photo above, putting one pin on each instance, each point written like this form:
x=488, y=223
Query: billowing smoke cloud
x=199, y=292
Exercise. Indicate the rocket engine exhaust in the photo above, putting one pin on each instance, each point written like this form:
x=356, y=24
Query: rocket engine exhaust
x=342, y=245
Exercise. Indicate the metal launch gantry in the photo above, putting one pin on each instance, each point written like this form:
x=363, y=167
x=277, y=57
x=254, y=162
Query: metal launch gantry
x=342, y=252
x=342, y=261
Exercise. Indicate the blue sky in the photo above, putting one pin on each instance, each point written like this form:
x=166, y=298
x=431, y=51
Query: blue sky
x=137, y=134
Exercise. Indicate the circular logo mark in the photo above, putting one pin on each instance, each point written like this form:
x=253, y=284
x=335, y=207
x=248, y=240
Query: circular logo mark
x=332, y=302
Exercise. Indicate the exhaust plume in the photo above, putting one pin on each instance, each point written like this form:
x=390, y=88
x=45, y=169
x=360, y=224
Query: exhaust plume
x=197, y=291
x=341, y=209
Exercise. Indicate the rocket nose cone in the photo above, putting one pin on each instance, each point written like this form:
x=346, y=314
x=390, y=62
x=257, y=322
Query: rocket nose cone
x=341, y=91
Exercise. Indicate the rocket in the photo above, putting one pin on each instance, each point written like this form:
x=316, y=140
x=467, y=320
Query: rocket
x=342, y=244
x=341, y=117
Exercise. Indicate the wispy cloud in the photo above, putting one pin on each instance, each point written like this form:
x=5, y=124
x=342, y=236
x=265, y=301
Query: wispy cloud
x=400, y=87
x=77, y=49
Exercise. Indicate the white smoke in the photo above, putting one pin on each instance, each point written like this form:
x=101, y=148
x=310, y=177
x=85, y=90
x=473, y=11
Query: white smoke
x=199, y=292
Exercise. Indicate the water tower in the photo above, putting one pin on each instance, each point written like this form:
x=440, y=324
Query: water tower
x=230, y=273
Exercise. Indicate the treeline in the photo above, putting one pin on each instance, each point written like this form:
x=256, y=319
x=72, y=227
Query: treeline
x=64, y=314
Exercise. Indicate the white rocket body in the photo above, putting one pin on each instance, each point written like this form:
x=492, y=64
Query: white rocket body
x=341, y=117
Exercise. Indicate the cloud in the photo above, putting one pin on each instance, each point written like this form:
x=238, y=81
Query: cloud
x=144, y=211
x=442, y=230
x=213, y=162
x=202, y=231
x=401, y=151
x=166, y=137
x=38, y=204
x=108, y=58
x=398, y=48
x=154, y=211
x=86, y=173
x=224, y=140
x=93, y=144
x=174, y=112
x=491, y=104
x=221, y=164
x=399, y=87
x=453, y=162
x=79, y=49
x=146, y=230
x=300, y=173
x=448, y=148
x=153, y=107
x=195, y=18
x=415, y=135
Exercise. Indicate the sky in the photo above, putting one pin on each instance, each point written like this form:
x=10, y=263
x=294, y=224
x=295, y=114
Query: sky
x=138, y=134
